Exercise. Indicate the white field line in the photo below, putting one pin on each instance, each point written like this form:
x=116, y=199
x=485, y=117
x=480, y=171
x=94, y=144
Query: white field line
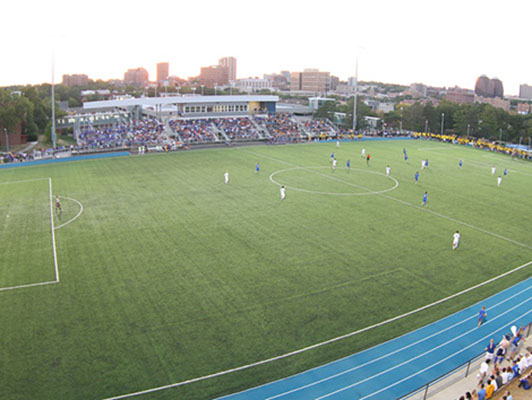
x=53, y=239
x=480, y=164
x=314, y=346
x=434, y=149
x=53, y=231
x=423, y=354
x=335, y=193
x=28, y=285
x=424, y=209
x=73, y=219
x=25, y=180
x=425, y=338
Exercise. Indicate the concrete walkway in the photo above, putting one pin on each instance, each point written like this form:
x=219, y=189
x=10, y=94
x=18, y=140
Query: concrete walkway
x=456, y=385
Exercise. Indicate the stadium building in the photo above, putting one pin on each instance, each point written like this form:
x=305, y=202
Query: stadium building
x=189, y=106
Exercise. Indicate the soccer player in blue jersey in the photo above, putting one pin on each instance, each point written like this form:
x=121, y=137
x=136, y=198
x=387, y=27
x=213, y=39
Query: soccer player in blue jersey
x=505, y=171
x=460, y=163
x=348, y=165
x=257, y=168
x=406, y=155
x=425, y=199
x=332, y=157
x=482, y=314
x=416, y=176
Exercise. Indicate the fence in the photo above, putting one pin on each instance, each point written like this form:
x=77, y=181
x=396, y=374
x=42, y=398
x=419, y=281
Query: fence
x=444, y=381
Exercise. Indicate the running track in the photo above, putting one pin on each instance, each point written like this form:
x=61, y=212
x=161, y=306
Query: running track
x=400, y=366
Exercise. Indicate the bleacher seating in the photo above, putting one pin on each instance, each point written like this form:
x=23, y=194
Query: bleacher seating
x=241, y=128
x=199, y=130
x=149, y=132
x=281, y=127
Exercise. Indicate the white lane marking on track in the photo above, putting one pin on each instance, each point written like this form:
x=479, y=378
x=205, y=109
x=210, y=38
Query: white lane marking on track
x=368, y=191
x=317, y=345
x=78, y=214
x=425, y=338
x=422, y=354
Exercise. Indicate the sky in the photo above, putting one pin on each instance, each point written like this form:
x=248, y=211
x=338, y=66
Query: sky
x=439, y=43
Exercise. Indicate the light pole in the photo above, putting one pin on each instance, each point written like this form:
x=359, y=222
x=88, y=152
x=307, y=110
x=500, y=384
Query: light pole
x=426, y=125
x=500, y=134
x=468, y=129
x=355, y=99
x=7, y=140
x=442, y=123
x=401, y=122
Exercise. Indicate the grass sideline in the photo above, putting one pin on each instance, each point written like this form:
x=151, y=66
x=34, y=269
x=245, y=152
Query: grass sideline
x=169, y=274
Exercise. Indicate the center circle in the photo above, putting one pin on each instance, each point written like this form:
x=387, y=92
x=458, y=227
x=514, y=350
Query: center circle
x=310, y=169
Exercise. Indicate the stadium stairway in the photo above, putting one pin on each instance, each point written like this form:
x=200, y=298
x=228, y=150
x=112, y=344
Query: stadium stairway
x=219, y=132
x=302, y=128
x=261, y=129
x=170, y=132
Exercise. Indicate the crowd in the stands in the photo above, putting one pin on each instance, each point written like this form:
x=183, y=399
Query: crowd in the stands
x=478, y=143
x=504, y=362
x=199, y=130
x=146, y=132
x=316, y=127
x=281, y=127
x=240, y=128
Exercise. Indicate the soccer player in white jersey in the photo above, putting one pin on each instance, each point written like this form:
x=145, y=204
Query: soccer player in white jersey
x=58, y=209
x=334, y=164
x=226, y=177
x=493, y=169
x=499, y=180
x=363, y=152
x=337, y=144
x=283, y=192
x=456, y=240
x=388, y=170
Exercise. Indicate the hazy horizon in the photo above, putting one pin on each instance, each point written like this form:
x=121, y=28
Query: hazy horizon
x=438, y=44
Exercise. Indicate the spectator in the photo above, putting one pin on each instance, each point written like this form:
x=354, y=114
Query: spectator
x=482, y=392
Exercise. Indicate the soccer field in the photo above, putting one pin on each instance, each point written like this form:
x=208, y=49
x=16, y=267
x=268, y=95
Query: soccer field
x=165, y=274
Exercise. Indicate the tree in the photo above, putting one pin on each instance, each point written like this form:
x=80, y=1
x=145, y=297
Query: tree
x=326, y=111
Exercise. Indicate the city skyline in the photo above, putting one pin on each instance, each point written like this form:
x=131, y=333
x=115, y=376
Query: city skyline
x=447, y=44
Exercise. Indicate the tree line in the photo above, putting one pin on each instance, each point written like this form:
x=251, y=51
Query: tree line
x=474, y=120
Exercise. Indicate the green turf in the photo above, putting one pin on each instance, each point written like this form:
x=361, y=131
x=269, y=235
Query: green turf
x=169, y=274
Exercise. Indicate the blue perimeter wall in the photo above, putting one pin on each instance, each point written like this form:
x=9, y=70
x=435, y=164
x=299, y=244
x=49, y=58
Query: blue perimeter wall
x=58, y=160
x=367, y=138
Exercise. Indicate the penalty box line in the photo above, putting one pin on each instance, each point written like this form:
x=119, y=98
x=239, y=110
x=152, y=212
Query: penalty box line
x=54, y=250
x=400, y=201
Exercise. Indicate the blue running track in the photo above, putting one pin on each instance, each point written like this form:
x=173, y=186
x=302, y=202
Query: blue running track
x=402, y=365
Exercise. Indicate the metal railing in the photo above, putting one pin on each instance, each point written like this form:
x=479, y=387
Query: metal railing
x=453, y=376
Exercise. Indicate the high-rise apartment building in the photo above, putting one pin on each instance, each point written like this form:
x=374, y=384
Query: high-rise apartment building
x=136, y=77
x=230, y=64
x=162, y=71
x=75, y=80
x=460, y=96
x=486, y=87
x=525, y=92
x=214, y=76
x=310, y=80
